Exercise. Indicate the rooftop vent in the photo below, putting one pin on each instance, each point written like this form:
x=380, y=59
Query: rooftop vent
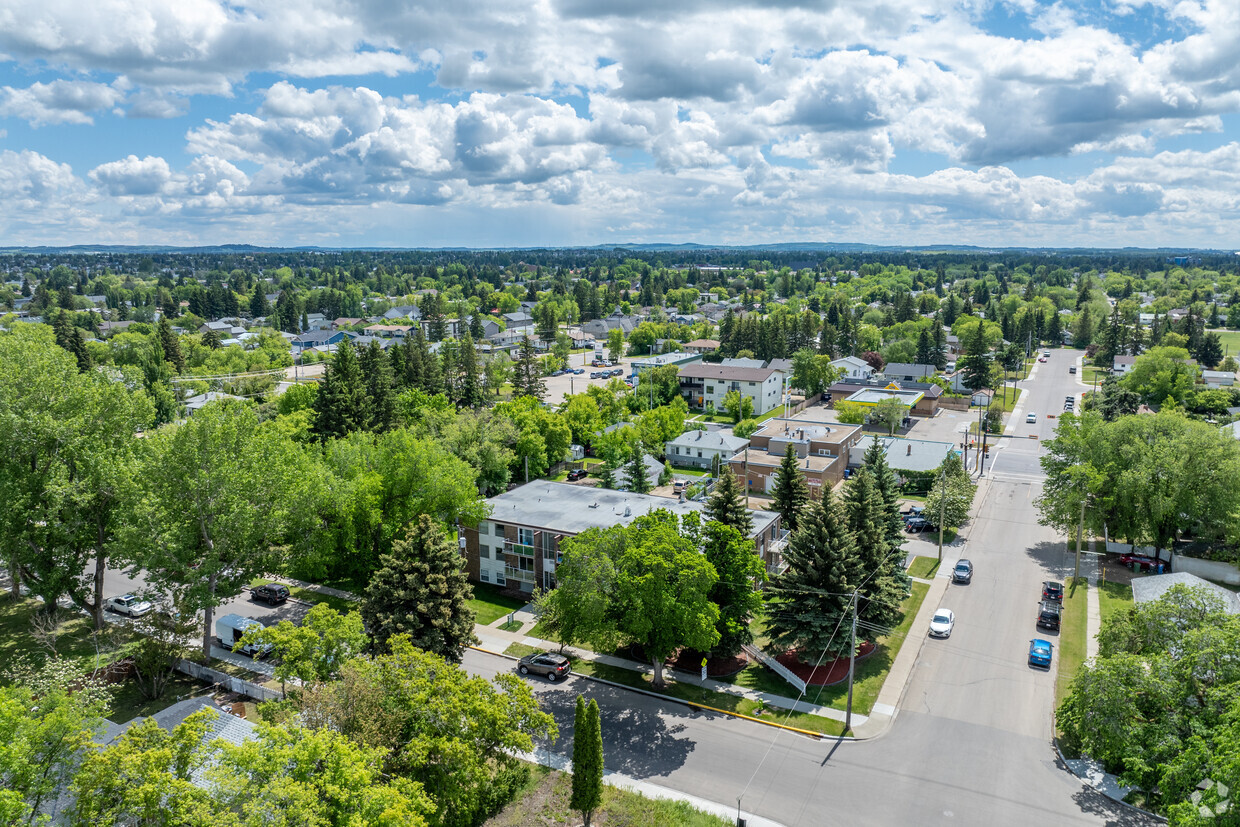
x=628, y=512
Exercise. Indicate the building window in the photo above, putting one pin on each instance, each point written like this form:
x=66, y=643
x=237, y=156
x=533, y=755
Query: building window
x=699, y=453
x=485, y=576
x=525, y=536
x=710, y=389
x=774, y=528
x=548, y=550
x=484, y=552
x=499, y=579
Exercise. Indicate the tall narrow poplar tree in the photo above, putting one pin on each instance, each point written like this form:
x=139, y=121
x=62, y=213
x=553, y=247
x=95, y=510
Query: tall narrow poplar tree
x=587, y=792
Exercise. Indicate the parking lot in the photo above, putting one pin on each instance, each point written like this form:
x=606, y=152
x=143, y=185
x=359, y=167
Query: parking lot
x=560, y=386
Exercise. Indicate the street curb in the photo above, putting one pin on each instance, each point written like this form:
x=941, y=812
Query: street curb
x=821, y=736
x=1085, y=783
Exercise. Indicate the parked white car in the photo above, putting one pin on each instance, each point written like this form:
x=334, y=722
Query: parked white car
x=129, y=605
x=942, y=622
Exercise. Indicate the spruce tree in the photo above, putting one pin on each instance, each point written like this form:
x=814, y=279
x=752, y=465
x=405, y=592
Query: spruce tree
x=587, y=792
x=791, y=492
x=636, y=471
x=881, y=592
x=171, y=346
x=808, y=604
x=925, y=348
x=729, y=505
x=421, y=590
x=1054, y=330
x=380, y=405
x=340, y=405
x=875, y=459
x=70, y=338
x=211, y=339
x=976, y=363
x=527, y=375
x=259, y=306
x=471, y=390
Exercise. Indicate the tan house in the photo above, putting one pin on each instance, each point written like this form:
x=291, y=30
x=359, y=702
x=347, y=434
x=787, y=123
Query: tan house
x=822, y=450
x=702, y=346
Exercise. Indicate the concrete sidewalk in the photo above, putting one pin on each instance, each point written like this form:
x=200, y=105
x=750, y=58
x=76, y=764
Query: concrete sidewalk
x=497, y=641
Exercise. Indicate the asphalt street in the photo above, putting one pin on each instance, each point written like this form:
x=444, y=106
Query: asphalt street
x=972, y=741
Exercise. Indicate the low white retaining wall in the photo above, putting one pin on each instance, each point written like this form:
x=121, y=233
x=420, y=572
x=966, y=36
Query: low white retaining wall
x=233, y=684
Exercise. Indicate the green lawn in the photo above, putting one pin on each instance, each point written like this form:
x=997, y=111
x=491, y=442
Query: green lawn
x=490, y=605
x=544, y=802
x=1230, y=340
x=924, y=567
x=1072, y=635
x=1007, y=397
x=872, y=672
x=128, y=703
x=1113, y=599
x=1090, y=373
x=689, y=472
x=73, y=637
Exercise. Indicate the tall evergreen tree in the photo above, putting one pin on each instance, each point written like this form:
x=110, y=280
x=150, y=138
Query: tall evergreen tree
x=527, y=375
x=881, y=591
x=421, y=590
x=259, y=306
x=976, y=363
x=938, y=352
x=728, y=504
x=70, y=338
x=635, y=470
x=809, y=601
x=925, y=348
x=587, y=792
x=472, y=391
x=377, y=373
x=340, y=405
x=1054, y=329
x=211, y=339
x=171, y=345
x=791, y=492
x=875, y=459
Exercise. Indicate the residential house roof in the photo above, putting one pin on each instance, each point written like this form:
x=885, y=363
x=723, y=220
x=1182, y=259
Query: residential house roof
x=703, y=344
x=404, y=311
x=905, y=369
x=1152, y=588
x=913, y=454
x=713, y=440
x=740, y=362
x=705, y=370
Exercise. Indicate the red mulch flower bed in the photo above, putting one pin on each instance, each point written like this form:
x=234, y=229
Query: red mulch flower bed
x=826, y=673
x=687, y=660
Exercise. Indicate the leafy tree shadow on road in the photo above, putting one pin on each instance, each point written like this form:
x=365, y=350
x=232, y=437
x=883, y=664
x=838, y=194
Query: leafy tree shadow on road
x=637, y=741
x=1115, y=813
x=1054, y=558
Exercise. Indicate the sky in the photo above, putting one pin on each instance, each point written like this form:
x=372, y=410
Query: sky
x=503, y=123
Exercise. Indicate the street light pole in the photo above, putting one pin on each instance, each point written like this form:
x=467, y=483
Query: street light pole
x=942, y=500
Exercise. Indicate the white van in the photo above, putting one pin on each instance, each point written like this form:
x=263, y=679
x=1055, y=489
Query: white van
x=230, y=628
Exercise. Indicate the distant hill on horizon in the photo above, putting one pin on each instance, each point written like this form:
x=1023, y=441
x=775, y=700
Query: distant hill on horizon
x=780, y=247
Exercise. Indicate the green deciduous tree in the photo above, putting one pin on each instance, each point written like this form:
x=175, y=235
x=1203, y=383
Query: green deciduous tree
x=289, y=775
x=147, y=777
x=455, y=734
x=48, y=719
x=317, y=649
x=421, y=590
x=740, y=573
x=951, y=495
x=217, y=495
x=587, y=792
x=615, y=344
x=890, y=412
x=850, y=413
x=67, y=465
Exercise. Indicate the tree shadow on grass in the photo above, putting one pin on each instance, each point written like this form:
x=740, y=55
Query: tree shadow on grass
x=637, y=741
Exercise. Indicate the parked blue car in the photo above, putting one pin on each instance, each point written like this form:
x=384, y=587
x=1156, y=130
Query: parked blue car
x=1040, y=653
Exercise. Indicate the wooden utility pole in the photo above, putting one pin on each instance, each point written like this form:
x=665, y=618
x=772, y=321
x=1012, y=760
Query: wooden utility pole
x=852, y=665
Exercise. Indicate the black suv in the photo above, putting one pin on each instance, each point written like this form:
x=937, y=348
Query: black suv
x=1048, y=615
x=273, y=593
x=1052, y=591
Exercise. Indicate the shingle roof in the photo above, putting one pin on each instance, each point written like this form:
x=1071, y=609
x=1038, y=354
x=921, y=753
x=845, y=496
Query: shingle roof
x=1152, y=588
